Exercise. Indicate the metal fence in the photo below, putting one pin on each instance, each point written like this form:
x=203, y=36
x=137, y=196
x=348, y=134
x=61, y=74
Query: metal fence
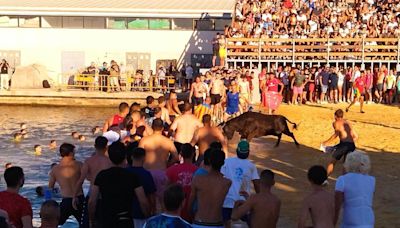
x=107, y=83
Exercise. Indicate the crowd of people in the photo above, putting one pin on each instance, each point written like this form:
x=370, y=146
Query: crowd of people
x=315, y=19
x=147, y=173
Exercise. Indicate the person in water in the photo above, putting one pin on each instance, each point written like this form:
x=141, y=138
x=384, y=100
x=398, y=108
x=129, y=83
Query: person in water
x=95, y=130
x=24, y=133
x=53, y=144
x=75, y=135
x=38, y=150
x=82, y=138
x=17, y=137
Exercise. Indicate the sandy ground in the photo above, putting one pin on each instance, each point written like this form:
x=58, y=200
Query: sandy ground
x=378, y=130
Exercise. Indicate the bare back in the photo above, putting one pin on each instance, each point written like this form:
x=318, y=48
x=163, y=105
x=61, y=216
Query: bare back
x=265, y=208
x=321, y=206
x=94, y=165
x=158, y=148
x=67, y=175
x=210, y=200
x=344, y=130
x=185, y=126
x=207, y=135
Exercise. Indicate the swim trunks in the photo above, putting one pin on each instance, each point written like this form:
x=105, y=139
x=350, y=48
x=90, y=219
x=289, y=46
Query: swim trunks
x=160, y=180
x=222, y=52
x=178, y=146
x=197, y=100
x=197, y=224
x=215, y=98
x=66, y=209
x=342, y=149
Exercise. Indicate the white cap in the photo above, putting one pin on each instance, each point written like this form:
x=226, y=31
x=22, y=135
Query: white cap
x=111, y=136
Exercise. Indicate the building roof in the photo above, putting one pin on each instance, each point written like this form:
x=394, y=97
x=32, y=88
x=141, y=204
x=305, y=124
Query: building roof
x=148, y=8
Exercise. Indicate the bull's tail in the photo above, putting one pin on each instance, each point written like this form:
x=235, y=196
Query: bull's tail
x=294, y=124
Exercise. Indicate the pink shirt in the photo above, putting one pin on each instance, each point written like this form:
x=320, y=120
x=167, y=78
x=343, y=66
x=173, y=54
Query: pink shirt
x=368, y=80
x=272, y=84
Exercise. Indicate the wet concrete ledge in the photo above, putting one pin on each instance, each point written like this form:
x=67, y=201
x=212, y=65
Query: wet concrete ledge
x=51, y=97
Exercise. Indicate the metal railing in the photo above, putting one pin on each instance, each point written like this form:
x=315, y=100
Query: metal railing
x=310, y=49
x=107, y=83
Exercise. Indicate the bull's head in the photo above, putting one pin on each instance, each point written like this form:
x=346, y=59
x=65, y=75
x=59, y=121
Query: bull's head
x=228, y=130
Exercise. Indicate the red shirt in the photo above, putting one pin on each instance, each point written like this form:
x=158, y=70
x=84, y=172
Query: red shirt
x=16, y=207
x=117, y=120
x=360, y=84
x=182, y=174
x=272, y=84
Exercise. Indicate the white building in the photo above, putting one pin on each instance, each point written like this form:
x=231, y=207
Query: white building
x=65, y=35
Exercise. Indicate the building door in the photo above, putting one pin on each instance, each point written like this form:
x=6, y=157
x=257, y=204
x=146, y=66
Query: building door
x=72, y=61
x=138, y=61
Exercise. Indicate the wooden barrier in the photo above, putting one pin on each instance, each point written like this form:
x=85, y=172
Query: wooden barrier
x=310, y=48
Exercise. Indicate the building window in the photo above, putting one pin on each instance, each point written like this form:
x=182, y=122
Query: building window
x=220, y=24
x=204, y=25
x=51, y=22
x=138, y=23
x=94, y=22
x=72, y=22
x=116, y=23
x=160, y=24
x=8, y=21
x=182, y=24
x=29, y=22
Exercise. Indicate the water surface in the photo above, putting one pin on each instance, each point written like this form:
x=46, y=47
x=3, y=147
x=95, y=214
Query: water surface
x=45, y=124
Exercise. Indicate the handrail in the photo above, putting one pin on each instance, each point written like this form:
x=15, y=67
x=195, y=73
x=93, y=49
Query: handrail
x=327, y=49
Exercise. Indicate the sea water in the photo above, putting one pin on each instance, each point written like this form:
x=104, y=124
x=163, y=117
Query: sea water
x=43, y=125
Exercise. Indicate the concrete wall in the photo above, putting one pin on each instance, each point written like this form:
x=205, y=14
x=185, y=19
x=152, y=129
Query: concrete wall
x=45, y=46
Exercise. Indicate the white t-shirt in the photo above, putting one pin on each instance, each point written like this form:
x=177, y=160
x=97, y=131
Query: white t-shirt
x=356, y=75
x=313, y=25
x=358, y=192
x=241, y=172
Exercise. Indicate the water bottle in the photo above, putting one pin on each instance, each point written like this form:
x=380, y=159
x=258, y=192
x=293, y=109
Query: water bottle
x=47, y=194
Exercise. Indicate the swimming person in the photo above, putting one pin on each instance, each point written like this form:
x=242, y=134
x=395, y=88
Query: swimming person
x=95, y=130
x=81, y=138
x=17, y=137
x=53, y=144
x=264, y=207
x=319, y=203
x=37, y=150
x=75, y=135
x=347, y=136
x=67, y=174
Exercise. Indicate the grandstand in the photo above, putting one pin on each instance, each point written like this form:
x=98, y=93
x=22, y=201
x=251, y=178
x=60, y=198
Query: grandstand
x=317, y=32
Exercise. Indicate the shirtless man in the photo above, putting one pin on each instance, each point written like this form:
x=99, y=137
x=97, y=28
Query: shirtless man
x=217, y=92
x=164, y=110
x=347, y=136
x=319, y=203
x=139, y=125
x=172, y=105
x=184, y=126
x=158, y=149
x=117, y=119
x=196, y=92
x=264, y=206
x=210, y=200
x=379, y=85
x=244, y=93
x=204, y=136
x=92, y=166
x=67, y=174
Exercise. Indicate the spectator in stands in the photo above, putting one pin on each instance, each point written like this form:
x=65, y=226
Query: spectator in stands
x=17, y=207
x=114, y=76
